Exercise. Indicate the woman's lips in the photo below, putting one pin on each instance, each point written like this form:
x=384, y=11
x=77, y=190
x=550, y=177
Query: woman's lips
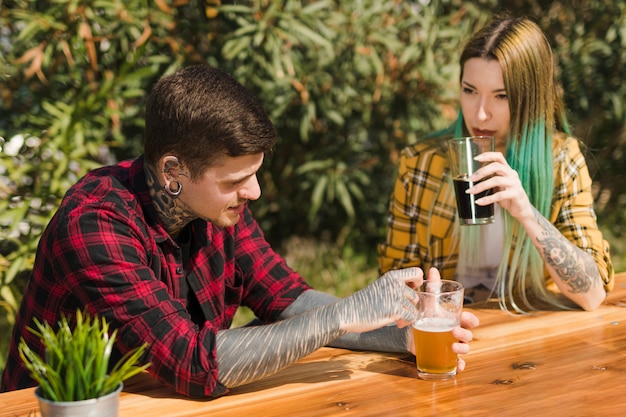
x=479, y=132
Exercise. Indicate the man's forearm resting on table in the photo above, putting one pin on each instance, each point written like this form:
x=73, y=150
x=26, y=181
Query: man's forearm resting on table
x=249, y=353
x=385, y=339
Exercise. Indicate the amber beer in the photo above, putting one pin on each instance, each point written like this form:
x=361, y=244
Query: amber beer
x=433, y=347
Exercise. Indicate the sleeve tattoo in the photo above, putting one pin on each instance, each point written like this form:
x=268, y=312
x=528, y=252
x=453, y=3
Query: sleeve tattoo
x=576, y=268
x=250, y=353
x=385, y=339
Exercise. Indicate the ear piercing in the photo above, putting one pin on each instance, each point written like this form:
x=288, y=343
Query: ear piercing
x=173, y=192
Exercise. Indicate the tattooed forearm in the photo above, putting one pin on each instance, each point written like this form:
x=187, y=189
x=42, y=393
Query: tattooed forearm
x=247, y=354
x=386, y=339
x=576, y=268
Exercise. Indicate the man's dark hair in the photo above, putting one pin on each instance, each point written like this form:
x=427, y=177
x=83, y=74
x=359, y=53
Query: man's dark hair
x=200, y=114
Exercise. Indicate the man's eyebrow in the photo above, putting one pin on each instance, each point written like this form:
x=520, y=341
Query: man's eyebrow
x=240, y=179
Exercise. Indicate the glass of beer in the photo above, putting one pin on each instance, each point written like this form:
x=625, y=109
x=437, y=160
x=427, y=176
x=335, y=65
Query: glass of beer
x=462, y=166
x=439, y=311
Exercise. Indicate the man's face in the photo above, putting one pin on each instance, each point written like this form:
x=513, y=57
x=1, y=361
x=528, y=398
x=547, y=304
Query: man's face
x=220, y=193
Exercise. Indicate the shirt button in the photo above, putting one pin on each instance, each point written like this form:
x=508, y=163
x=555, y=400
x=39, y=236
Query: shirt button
x=179, y=270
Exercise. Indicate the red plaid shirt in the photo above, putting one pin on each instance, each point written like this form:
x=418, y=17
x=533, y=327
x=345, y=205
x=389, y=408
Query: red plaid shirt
x=106, y=250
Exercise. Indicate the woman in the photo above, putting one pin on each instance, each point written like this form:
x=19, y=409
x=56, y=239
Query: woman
x=545, y=239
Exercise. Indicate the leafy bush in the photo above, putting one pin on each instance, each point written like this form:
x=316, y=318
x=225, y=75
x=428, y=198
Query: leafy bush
x=347, y=84
x=589, y=39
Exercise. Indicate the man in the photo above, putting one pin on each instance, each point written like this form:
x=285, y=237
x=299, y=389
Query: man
x=166, y=249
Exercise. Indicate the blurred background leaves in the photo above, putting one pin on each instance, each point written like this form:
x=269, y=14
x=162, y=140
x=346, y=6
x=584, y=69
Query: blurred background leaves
x=348, y=83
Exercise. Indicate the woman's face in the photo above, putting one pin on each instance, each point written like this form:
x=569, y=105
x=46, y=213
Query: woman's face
x=484, y=102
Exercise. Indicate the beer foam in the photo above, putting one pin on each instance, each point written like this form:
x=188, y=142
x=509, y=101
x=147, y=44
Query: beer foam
x=435, y=324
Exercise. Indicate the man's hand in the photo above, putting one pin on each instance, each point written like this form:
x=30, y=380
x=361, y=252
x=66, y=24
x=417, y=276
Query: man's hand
x=390, y=299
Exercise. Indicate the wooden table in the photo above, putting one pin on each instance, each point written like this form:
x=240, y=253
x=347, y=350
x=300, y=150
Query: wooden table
x=553, y=363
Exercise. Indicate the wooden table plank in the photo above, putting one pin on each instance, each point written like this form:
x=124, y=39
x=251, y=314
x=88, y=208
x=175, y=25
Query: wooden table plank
x=556, y=363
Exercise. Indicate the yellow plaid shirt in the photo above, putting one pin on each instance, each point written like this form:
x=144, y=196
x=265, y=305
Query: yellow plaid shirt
x=422, y=210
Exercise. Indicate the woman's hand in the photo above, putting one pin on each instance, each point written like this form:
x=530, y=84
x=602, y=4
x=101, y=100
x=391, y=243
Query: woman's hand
x=508, y=190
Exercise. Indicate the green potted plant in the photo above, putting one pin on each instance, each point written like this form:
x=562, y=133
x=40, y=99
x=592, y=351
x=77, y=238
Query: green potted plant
x=74, y=376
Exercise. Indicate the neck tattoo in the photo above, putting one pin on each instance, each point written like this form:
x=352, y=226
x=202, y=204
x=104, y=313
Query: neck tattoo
x=172, y=211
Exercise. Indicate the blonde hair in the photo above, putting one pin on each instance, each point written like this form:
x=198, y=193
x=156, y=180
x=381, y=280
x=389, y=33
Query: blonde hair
x=537, y=111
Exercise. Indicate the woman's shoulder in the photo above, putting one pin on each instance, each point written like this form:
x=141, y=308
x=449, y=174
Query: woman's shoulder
x=426, y=157
x=563, y=142
x=430, y=146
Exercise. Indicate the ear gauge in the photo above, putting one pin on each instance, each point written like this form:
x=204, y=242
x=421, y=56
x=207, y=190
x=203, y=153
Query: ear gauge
x=173, y=187
x=173, y=192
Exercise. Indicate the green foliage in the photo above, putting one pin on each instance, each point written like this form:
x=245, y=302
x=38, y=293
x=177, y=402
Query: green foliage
x=328, y=267
x=594, y=66
x=347, y=84
x=76, y=363
x=339, y=79
x=73, y=88
x=589, y=40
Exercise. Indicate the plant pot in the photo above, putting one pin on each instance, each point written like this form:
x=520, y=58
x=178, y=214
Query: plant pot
x=105, y=406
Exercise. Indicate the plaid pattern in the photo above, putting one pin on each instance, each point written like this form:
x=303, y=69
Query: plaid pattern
x=422, y=210
x=105, y=250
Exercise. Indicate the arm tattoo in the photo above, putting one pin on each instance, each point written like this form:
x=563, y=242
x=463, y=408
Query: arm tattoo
x=385, y=339
x=249, y=353
x=576, y=268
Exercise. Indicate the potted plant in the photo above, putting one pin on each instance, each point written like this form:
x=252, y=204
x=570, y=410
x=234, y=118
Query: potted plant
x=74, y=376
